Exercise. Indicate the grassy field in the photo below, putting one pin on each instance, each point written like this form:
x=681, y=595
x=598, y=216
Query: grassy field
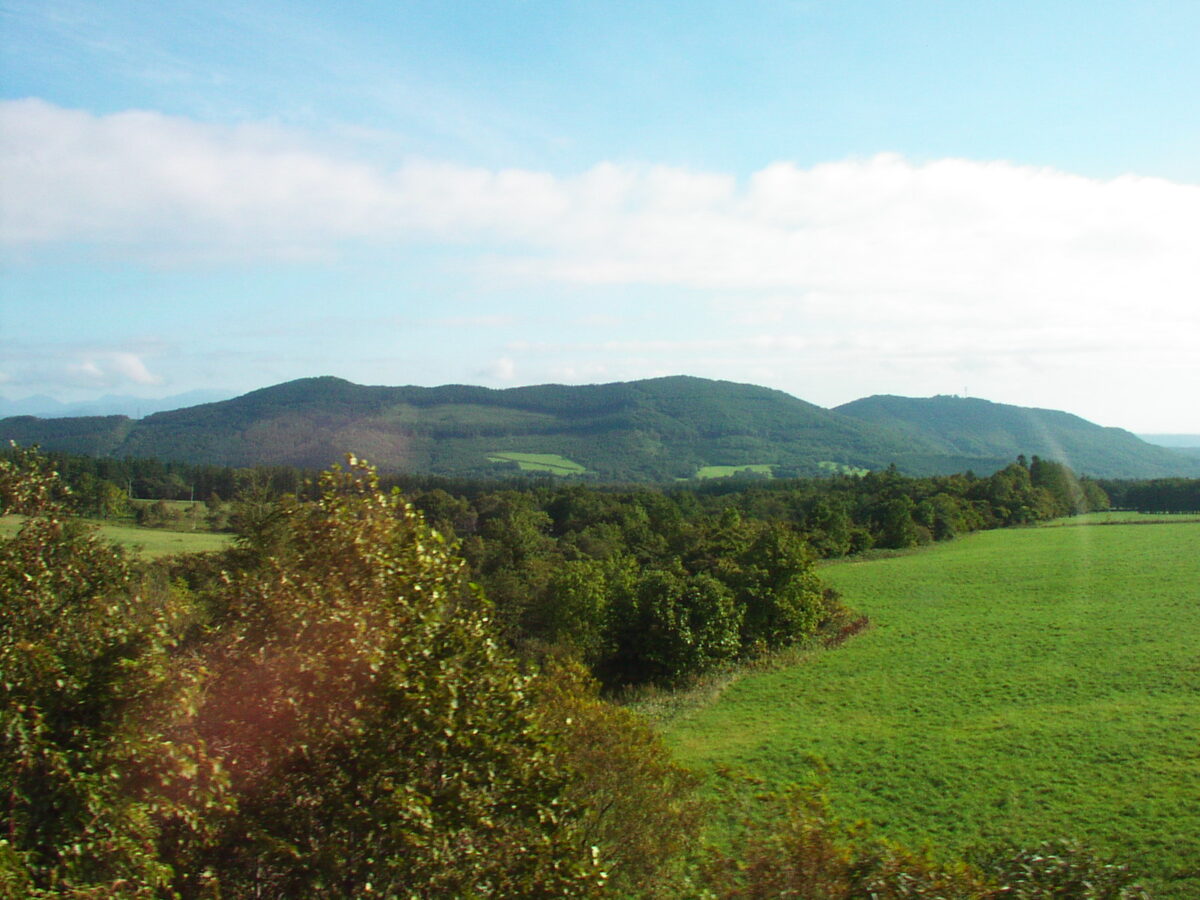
x=1123, y=517
x=727, y=471
x=147, y=542
x=540, y=462
x=1019, y=684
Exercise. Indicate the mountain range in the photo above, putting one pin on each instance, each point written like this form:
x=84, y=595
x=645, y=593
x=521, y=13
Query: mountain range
x=108, y=405
x=652, y=430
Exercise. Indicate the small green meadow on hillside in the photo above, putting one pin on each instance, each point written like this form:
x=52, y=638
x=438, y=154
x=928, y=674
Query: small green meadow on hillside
x=1016, y=685
x=540, y=462
x=705, y=472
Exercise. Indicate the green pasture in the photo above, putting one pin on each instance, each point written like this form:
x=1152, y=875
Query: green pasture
x=540, y=462
x=1020, y=684
x=147, y=542
x=155, y=542
x=728, y=471
x=1122, y=517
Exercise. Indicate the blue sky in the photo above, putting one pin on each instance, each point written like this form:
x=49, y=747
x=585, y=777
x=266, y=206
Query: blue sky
x=836, y=199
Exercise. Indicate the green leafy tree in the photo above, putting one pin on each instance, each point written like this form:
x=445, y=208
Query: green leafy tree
x=668, y=626
x=345, y=724
x=95, y=496
x=378, y=740
x=828, y=529
x=573, y=608
x=896, y=527
x=778, y=590
x=91, y=787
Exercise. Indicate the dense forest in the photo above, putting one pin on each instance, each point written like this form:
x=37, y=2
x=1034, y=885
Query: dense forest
x=1169, y=495
x=393, y=693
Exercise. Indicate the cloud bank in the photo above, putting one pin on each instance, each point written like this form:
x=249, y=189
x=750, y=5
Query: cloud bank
x=137, y=180
x=879, y=255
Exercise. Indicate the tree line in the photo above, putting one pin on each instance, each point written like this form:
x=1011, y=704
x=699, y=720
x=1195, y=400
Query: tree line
x=643, y=585
x=1158, y=495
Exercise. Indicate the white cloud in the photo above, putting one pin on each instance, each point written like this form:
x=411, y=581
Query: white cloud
x=876, y=262
x=131, y=367
x=880, y=228
x=110, y=369
x=502, y=369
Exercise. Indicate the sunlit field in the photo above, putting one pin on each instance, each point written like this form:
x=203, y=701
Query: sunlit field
x=146, y=542
x=727, y=471
x=1017, y=685
x=540, y=462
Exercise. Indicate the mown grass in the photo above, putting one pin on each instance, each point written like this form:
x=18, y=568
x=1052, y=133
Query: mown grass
x=1017, y=685
x=728, y=471
x=540, y=462
x=146, y=542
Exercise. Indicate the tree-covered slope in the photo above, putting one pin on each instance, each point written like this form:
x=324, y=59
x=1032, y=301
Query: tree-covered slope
x=646, y=430
x=651, y=430
x=86, y=435
x=993, y=433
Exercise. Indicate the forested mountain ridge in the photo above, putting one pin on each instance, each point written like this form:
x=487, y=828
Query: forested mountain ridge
x=650, y=430
x=972, y=428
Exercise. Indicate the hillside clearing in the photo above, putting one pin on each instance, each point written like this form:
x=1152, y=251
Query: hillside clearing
x=705, y=472
x=540, y=462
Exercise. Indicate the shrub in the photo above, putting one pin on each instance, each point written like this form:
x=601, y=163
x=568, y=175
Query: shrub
x=798, y=848
x=1061, y=869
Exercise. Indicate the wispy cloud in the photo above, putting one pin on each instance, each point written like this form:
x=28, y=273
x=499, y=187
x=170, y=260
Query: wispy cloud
x=502, y=369
x=79, y=367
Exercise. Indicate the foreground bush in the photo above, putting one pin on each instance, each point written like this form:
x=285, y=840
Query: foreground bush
x=795, y=847
x=346, y=725
x=800, y=849
x=1060, y=869
x=377, y=739
x=87, y=687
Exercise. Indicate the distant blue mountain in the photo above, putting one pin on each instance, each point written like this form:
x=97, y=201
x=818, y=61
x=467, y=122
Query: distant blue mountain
x=1188, y=441
x=109, y=405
